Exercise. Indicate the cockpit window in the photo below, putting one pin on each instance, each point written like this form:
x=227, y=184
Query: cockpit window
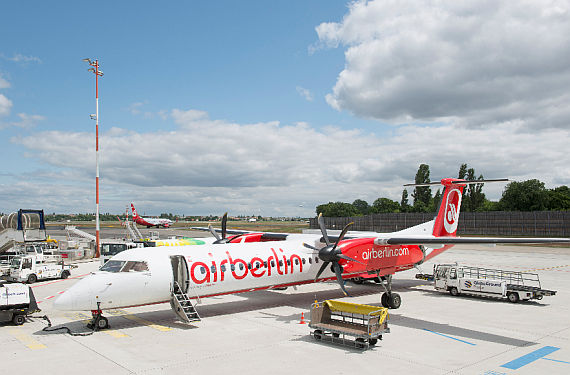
x=124, y=266
x=113, y=266
x=135, y=267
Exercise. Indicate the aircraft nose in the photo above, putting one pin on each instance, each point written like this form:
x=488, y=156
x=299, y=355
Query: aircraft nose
x=78, y=297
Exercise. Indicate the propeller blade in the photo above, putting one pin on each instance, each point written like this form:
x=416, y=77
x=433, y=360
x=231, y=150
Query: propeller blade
x=321, y=221
x=214, y=233
x=310, y=247
x=224, y=224
x=342, y=256
x=321, y=270
x=344, y=230
x=338, y=274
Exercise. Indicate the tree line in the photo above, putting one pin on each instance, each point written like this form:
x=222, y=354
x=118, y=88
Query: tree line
x=529, y=195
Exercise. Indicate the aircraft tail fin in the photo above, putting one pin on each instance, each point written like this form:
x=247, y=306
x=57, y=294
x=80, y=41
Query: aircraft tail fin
x=135, y=215
x=447, y=217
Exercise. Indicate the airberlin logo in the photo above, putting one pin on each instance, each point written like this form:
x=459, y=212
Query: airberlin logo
x=279, y=263
x=452, y=205
x=385, y=253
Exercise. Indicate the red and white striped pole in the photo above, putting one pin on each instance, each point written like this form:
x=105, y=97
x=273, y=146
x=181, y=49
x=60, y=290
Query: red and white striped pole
x=97, y=72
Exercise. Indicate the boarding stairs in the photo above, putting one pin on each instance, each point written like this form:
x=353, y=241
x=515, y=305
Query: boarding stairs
x=133, y=231
x=73, y=229
x=182, y=305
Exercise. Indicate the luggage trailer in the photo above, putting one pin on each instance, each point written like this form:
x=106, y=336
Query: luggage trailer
x=513, y=285
x=349, y=324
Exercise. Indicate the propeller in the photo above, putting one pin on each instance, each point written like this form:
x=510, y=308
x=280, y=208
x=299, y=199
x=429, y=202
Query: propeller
x=223, y=238
x=331, y=253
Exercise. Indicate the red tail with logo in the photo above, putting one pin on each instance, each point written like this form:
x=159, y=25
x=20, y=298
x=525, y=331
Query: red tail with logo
x=448, y=212
x=134, y=211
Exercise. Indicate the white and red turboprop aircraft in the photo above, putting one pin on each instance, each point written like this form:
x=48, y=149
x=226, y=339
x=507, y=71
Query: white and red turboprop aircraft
x=181, y=273
x=150, y=221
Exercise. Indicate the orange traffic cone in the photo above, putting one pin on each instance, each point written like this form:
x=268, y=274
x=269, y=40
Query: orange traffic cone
x=302, y=318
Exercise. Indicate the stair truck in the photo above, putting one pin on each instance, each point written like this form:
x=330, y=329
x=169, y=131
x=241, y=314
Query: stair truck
x=347, y=323
x=512, y=285
x=16, y=301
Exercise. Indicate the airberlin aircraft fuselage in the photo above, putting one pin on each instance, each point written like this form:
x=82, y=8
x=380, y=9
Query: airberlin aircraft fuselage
x=224, y=269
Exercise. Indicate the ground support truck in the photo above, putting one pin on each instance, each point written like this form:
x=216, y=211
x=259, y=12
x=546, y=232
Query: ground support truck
x=16, y=301
x=512, y=285
x=31, y=268
x=349, y=324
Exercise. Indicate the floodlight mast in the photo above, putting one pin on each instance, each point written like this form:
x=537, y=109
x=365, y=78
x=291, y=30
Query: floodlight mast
x=95, y=70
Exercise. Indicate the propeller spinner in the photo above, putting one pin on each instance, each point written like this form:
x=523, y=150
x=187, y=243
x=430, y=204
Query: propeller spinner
x=331, y=253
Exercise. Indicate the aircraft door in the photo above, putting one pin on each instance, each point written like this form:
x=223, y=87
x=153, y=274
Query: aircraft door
x=180, y=271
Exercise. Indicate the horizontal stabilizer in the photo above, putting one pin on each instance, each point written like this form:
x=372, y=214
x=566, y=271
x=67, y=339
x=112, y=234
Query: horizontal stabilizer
x=464, y=240
x=461, y=182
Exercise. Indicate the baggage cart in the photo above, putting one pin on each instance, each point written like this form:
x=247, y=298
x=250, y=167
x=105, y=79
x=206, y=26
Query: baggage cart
x=348, y=323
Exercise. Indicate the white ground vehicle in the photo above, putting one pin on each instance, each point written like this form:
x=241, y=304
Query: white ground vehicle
x=31, y=268
x=513, y=285
x=16, y=301
x=110, y=249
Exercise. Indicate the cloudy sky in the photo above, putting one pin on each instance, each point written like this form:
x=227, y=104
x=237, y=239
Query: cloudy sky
x=270, y=108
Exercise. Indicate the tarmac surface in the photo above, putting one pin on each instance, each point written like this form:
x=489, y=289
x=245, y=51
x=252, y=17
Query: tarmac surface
x=259, y=332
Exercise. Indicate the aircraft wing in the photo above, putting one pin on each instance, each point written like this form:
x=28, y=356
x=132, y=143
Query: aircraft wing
x=416, y=240
x=238, y=232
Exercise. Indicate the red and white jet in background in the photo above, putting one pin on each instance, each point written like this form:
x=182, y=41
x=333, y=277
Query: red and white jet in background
x=235, y=265
x=150, y=221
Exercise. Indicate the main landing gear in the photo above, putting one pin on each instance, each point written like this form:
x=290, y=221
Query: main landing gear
x=389, y=299
x=98, y=321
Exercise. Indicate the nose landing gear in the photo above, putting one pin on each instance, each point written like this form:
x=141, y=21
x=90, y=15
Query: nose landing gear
x=98, y=321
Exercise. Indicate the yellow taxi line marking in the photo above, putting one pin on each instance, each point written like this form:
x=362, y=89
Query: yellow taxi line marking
x=148, y=323
x=26, y=339
x=124, y=314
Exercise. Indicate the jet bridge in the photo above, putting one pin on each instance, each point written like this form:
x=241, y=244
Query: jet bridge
x=21, y=226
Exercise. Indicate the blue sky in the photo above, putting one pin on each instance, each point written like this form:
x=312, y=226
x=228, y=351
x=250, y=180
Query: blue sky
x=261, y=107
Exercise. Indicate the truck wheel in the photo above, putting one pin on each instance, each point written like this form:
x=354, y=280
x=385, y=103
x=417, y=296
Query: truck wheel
x=453, y=291
x=394, y=300
x=384, y=300
x=360, y=343
x=32, y=278
x=372, y=342
x=18, y=320
x=318, y=334
x=513, y=297
x=65, y=274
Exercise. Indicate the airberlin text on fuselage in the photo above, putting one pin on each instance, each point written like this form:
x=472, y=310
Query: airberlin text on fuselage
x=200, y=272
x=385, y=253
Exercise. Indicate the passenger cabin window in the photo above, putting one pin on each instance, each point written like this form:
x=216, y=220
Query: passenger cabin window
x=223, y=267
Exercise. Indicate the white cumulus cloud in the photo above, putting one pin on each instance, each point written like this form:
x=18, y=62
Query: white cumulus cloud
x=472, y=63
x=5, y=105
x=208, y=165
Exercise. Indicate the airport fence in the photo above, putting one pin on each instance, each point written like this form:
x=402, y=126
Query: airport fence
x=498, y=223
